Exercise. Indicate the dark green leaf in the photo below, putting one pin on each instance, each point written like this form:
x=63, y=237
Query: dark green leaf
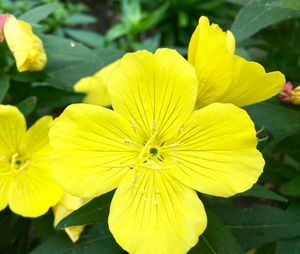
x=89, y=38
x=290, y=146
x=4, y=86
x=94, y=240
x=290, y=246
x=69, y=61
x=79, y=19
x=109, y=55
x=292, y=188
x=258, y=14
x=281, y=120
x=27, y=106
x=39, y=13
x=288, y=4
x=49, y=98
x=259, y=225
x=259, y=191
x=217, y=239
x=94, y=211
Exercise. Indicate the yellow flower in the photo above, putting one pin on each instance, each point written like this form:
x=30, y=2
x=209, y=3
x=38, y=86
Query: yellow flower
x=223, y=76
x=95, y=86
x=156, y=151
x=66, y=206
x=26, y=184
x=26, y=47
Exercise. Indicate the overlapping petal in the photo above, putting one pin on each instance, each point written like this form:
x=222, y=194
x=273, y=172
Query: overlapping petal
x=93, y=148
x=224, y=77
x=154, y=213
x=251, y=84
x=216, y=152
x=211, y=54
x=12, y=129
x=153, y=91
x=33, y=191
x=36, y=141
x=95, y=86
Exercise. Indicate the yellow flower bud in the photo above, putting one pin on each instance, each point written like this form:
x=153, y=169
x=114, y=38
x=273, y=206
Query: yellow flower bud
x=66, y=206
x=295, y=99
x=26, y=47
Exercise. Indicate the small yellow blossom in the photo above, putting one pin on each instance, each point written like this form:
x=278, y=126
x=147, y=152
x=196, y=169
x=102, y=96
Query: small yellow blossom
x=26, y=184
x=95, y=86
x=26, y=47
x=224, y=76
x=157, y=151
x=66, y=206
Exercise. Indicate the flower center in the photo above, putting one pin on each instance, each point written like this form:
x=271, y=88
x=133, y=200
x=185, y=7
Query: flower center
x=153, y=151
x=18, y=163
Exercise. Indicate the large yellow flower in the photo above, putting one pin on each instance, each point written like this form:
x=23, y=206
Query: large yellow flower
x=95, y=86
x=223, y=76
x=26, y=184
x=156, y=151
x=26, y=47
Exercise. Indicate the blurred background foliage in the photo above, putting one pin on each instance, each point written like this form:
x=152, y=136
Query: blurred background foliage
x=81, y=37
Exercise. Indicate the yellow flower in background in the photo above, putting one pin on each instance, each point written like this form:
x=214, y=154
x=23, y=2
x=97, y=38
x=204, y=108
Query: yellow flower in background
x=26, y=184
x=223, y=76
x=156, y=151
x=26, y=47
x=95, y=86
x=66, y=206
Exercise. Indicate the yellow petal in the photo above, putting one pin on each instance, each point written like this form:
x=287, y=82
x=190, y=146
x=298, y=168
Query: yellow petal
x=12, y=129
x=66, y=206
x=36, y=141
x=210, y=52
x=155, y=92
x=4, y=188
x=224, y=77
x=95, y=86
x=33, y=191
x=216, y=152
x=92, y=149
x=26, y=47
x=154, y=213
x=251, y=84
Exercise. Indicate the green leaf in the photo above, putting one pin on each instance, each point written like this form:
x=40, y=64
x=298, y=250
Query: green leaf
x=258, y=14
x=68, y=61
x=96, y=210
x=79, y=19
x=39, y=13
x=288, y=4
x=292, y=188
x=96, y=239
x=259, y=191
x=4, y=86
x=290, y=246
x=290, y=146
x=28, y=105
x=217, y=239
x=259, y=225
x=109, y=55
x=116, y=31
x=49, y=98
x=87, y=37
x=281, y=120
